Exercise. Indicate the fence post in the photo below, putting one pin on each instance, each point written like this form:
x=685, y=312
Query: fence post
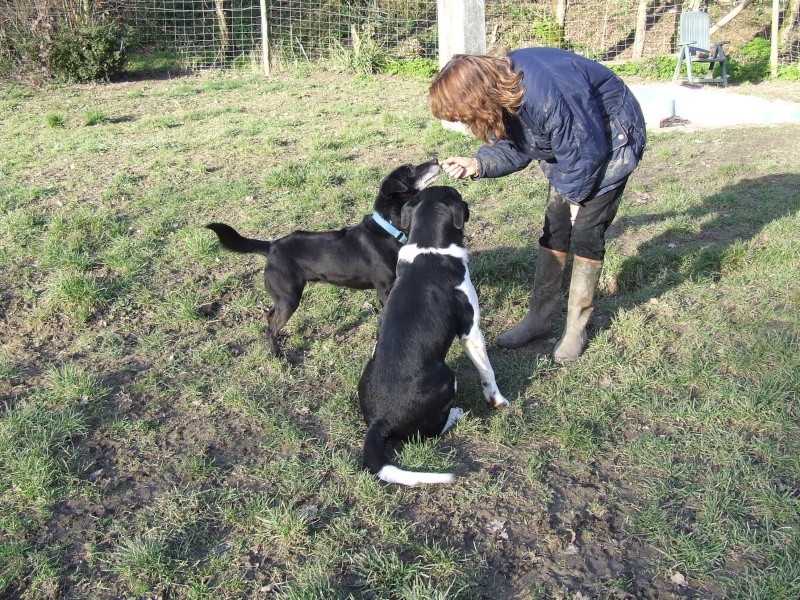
x=264, y=36
x=462, y=30
x=774, y=34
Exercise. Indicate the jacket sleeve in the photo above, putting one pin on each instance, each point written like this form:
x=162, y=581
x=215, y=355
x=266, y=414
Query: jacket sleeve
x=579, y=146
x=500, y=158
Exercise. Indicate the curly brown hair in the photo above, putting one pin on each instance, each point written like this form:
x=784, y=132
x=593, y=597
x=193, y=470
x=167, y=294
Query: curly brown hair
x=475, y=90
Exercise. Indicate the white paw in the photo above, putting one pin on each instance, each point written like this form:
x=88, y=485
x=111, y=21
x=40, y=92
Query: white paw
x=489, y=391
x=498, y=401
x=493, y=396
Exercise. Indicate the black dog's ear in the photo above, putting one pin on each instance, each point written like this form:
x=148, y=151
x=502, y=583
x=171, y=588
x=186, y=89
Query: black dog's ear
x=460, y=212
x=405, y=216
x=392, y=185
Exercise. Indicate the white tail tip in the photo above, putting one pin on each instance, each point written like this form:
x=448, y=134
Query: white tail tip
x=391, y=474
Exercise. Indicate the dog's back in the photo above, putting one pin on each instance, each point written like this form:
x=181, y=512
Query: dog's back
x=418, y=326
x=362, y=256
x=407, y=387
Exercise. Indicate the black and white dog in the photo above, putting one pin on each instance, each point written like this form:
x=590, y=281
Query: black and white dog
x=407, y=388
x=362, y=256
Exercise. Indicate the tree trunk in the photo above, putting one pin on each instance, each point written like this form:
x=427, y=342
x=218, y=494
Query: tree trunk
x=730, y=16
x=561, y=20
x=265, y=36
x=224, y=25
x=641, y=29
x=791, y=21
x=561, y=12
x=773, y=51
x=676, y=25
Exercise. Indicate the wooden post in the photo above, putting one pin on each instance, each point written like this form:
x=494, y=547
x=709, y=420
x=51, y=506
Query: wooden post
x=641, y=30
x=462, y=30
x=223, y=8
x=264, y=36
x=774, y=37
x=561, y=13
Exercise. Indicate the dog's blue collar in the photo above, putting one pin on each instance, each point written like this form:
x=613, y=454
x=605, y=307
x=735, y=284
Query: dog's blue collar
x=390, y=229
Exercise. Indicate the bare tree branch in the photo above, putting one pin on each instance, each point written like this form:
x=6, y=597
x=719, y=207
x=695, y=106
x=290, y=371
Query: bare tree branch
x=730, y=16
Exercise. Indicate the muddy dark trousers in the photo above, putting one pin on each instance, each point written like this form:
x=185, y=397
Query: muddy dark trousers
x=586, y=238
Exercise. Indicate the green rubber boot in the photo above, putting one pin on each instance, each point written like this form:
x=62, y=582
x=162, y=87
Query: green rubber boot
x=582, y=288
x=544, y=296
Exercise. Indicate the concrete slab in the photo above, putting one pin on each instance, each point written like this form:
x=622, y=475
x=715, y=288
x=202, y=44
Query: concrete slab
x=707, y=106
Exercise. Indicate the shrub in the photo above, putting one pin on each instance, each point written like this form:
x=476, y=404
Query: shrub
x=657, y=67
x=549, y=33
x=415, y=67
x=55, y=120
x=791, y=72
x=364, y=57
x=751, y=62
x=89, y=51
x=94, y=116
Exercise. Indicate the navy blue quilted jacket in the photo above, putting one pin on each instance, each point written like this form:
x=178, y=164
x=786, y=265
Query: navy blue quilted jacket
x=578, y=119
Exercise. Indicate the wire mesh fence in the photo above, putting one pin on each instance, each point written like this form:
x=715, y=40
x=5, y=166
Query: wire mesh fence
x=211, y=32
x=205, y=32
x=618, y=30
x=230, y=32
x=221, y=31
x=600, y=29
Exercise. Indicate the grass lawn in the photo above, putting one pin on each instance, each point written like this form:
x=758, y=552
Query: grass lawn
x=151, y=446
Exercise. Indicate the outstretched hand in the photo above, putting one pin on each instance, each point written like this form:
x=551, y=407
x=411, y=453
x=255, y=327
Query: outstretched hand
x=460, y=167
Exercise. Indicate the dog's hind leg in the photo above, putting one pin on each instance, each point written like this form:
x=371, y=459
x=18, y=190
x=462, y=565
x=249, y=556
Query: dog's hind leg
x=383, y=293
x=278, y=316
x=286, y=299
x=475, y=346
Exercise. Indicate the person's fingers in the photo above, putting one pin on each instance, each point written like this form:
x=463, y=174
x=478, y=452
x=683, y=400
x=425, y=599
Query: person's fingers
x=448, y=162
x=453, y=170
x=455, y=166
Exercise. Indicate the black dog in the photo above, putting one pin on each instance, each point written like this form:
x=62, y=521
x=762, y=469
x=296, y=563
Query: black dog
x=407, y=388
x=361, y=257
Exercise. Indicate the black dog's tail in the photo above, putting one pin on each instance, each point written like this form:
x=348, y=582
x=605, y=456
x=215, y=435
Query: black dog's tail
x=231, y=240
x=376, y=460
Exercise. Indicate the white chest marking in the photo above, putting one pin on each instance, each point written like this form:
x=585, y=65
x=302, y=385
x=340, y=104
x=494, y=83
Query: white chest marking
x=411, y=251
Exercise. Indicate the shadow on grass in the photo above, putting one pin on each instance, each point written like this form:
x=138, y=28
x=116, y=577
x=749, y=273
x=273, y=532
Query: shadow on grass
x=152, y=66
x=730, y=218
x=734, y=216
